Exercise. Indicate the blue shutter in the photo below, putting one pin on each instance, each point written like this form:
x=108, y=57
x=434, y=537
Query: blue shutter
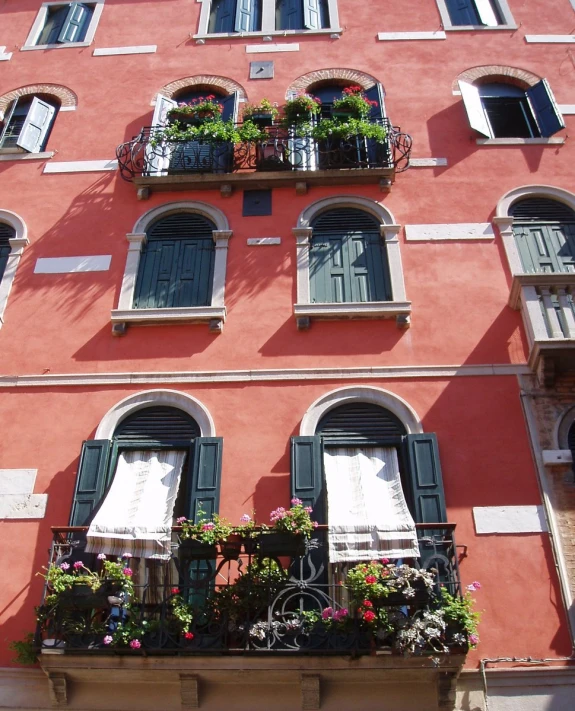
x=247, y=16
x=222, y=16
x=90, y=481
x=311, y=14
x=75, y=24
x=289, y=15
x=36, y=126
x=463, y=12
x=54, y=23
x=545, y=108
x=204, y=485
x=375, y=93
x=230, y=104
x=426, y=483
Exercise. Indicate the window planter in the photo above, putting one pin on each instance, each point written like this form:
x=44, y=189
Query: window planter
x=195, y=119
x=84, y=597
x=422, y=596
x=262, y=118
x=276, y=544
x=190, y=549
x=231, y=547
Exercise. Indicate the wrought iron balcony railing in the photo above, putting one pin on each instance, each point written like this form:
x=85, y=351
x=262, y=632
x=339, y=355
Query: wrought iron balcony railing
x=149, y=155
x=239, y=602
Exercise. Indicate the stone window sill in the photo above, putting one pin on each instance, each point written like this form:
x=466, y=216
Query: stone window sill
x=479, y=28
x=520, y=141
x=274, y=33
x=62, y=45
x=214, y=316
x=400, y=310
x=19, y=155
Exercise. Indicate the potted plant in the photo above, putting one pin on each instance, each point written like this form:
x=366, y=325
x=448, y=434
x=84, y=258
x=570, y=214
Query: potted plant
x=247, y=533
x=262, y=114
x=461, y=618
x=301, y=109
x=198, y=541
x=385, y=584
x=289, y=531
x=196, y=111
x=352, y=143
x=353, y=104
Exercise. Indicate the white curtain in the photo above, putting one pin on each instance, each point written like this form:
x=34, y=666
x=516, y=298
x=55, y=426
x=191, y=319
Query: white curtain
x=367, y=512
x=136, y=515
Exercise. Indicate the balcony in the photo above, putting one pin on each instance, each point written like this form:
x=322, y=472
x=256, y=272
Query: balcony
x=546, y=303
x=236, y=602
x=283, y=159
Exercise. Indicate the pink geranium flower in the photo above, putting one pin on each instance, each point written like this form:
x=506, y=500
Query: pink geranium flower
x=135, y=644
x=128, y=572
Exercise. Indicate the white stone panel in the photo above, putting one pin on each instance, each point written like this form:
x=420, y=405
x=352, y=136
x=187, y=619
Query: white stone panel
x=509, y=519
x=111, y=51
x=260, y=48
x=69, y=265
x=81, y=166
x=550, y=39
x=566, y=109
x=390, y=36
x=257, y=241
x=23, y=505
x=455, y=231
x=17, y=481
x=427, y=162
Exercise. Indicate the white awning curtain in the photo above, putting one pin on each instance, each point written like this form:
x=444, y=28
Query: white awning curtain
x=367, y=512
x=136, y=515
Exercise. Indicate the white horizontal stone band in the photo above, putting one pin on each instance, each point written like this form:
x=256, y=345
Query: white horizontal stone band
x=457, y=231
x=188, y=314
x=390, y=36
x=566, y=109
x=70, y=265
x=278, y=374
x=17, y=481
x=260, y=241
x=81, y=166
x=26, y=156
x=550, y=39
x=111, y=51
x=23, y=506
x=261, y=48
x=427, y=162
x=509, y=519
x=520, y=141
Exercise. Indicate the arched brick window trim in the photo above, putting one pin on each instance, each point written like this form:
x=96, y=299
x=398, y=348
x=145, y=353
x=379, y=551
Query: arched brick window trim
x=497, y=73
x=65, y=96
x=203, y=80
x=351, y=76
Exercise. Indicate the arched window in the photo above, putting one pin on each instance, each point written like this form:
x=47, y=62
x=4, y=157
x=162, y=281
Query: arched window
x=7, y=232
x=348, y=260
x=302, y=14
x=27, y=124
x=155, y=468
x=544, y=231
x=177, y=263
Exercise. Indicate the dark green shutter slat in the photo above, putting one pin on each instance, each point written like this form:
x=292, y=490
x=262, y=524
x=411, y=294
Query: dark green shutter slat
x=360, y=423
x=204, y=487
x=375, y=93
x=424, y=471
x=539, y=209
x=546, y=248
x=157, y=425
x=90, y=481
x=6, y=233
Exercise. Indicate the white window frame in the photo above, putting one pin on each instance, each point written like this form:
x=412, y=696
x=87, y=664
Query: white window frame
x=508, y=23
x=40, y=21
x=268, y=23
x=398, y=307
x=17, y=244
x=214, y=314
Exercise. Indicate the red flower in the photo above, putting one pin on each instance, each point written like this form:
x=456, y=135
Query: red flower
x=175, y=591
x=367, y=603
x=370, y=579
x=369, y=616
x=188, y=635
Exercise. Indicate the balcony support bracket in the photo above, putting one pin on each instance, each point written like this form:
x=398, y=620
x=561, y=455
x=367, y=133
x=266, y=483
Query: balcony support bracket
x=303, y=323
x=446, y=688
x=226, y=190
x=385, y=185
x=403, y=320
x=310, y=692
x=58, y=687
x=189, y=692
x=301, y=188
x=143, y=193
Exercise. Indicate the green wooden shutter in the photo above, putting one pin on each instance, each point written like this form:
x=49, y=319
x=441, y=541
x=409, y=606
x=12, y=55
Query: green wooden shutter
x=424, y=474
x=204, y=485
x=75, y=24
x=369, y=272
x=329, y=278
x=6, y=232
x=54, y=23
x=90, y=481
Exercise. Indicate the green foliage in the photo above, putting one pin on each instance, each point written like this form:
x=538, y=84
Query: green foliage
x=202, y=106
x=350, y=128
x=25, y=651
x=265, y=106
x=206, y=530
x=250, y=132
x=296, y=520
x=181, y=610
x=210, y=131
x=459, y=612
x=301, y=108
x=374, y=581
x=355, y=102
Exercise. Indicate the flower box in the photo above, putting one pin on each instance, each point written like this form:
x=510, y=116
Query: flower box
x=84, y=597
x=262, y=118
x=274, y=544
x=231, y=547
x=190, y=549
x=421, y=597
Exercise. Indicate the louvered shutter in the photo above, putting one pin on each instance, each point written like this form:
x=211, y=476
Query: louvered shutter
x=462, y=12
x=486, y=12
x=6, y=233
x=375, y=93
x=329, y=279
x=547, y=114
x=424, y=474
x=247, y=16
x=370, y=279
x=75, y=24
x=54, y=23
x=90, y=480
x=311, y=14
x=158, y=157
x=230, y=104
x=289, y=15
x=36, y=126
x=204, y=484
x=474, y=108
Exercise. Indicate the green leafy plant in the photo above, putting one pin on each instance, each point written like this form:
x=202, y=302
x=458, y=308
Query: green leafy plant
x=25, y=650
x=248, y=132
x=265, y=106
x=301, y=108
x=206, y=530
x=350, y=128
x=211, y=131
x=60, y=580
x=460, y=614
x=295, y=520
x=375, y=581
x=355, y=102
x=202, y=107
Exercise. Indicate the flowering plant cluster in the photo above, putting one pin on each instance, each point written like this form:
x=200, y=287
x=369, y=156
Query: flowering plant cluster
x=376, y=580
x=295, y=520
x=265, y=106
x=355, y=102
x=182, y=612
x=425, y=632
x=301, y=108
x=213, y=130
x=348, y=129
x=460, y=614
x=66, y=576
x=202, y=107
x=206, y=530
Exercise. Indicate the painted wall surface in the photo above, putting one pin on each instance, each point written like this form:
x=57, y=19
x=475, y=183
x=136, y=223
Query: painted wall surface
x=60, y=323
